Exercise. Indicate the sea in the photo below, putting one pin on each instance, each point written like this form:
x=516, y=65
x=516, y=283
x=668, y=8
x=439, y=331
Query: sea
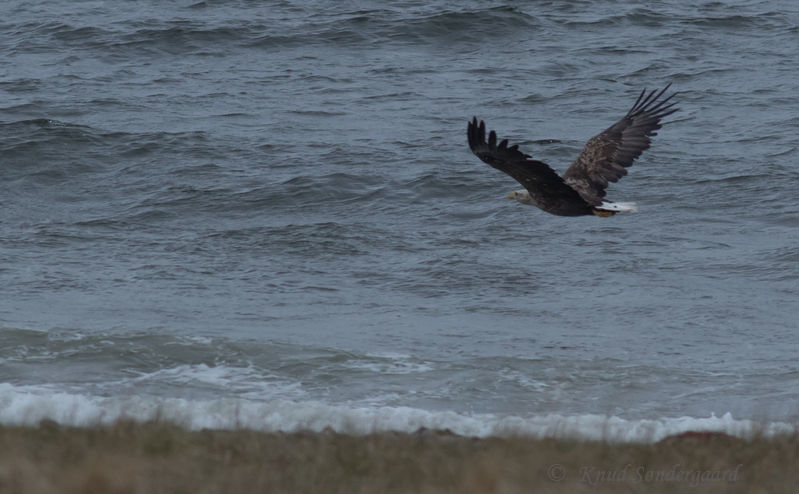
x=264, y=214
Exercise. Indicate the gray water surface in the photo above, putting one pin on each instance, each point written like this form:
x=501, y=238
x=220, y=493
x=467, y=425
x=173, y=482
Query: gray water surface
x=275, y=201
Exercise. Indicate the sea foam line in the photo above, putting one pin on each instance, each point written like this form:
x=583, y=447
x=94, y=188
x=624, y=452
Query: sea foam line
x=30, y=405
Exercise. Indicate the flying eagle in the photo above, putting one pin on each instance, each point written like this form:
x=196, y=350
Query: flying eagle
x=605, y=158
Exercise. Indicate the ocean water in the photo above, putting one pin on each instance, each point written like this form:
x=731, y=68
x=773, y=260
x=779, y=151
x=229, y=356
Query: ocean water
x=265, y=214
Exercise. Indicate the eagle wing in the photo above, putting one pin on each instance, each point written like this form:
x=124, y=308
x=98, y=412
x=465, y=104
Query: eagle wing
x=606, y=156
x=545, y=186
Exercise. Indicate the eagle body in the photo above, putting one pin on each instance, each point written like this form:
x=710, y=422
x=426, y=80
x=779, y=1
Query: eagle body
x=562, y=206
x=604, y=159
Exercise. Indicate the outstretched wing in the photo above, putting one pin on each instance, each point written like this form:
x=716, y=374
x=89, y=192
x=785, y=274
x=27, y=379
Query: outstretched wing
x=606, y=156
x=545, y=186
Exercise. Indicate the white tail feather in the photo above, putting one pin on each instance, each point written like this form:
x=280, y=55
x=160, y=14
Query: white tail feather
x=621, y=207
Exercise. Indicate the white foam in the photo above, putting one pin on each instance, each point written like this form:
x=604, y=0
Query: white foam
x=29, y=405
x=389, y=363
x=246, y=381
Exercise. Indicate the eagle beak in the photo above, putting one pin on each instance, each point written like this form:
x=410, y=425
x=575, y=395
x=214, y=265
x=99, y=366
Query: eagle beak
x=512, y=195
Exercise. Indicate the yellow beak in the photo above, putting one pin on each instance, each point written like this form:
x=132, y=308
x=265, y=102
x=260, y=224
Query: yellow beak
x=512, y=195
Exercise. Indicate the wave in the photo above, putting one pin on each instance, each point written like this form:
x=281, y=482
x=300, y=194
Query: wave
x=415, y=27
x=30, y=405
x=203, y=32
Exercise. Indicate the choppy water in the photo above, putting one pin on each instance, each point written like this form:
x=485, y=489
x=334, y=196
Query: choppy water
x=265, y=214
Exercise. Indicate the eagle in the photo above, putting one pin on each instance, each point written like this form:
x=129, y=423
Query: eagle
x=605, y=158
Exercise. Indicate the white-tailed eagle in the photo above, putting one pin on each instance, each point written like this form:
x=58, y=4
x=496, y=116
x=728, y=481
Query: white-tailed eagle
x=605, y=158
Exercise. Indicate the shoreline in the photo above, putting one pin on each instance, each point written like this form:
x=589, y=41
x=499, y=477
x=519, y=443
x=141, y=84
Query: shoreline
x=152, y=457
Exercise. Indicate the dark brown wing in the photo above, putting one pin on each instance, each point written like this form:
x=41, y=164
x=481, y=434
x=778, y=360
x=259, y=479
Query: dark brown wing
x=606, y=156
x=546, y=187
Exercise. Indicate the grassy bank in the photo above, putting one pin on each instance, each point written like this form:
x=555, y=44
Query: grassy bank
x=158, y=458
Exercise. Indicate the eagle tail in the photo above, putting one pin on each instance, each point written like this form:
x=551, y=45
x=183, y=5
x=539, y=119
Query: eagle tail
x=618, y=207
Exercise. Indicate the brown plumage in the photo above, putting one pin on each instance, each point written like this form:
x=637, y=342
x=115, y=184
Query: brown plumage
x=604, y=159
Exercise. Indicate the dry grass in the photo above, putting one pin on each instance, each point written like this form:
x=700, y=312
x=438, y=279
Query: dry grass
x=159, y=458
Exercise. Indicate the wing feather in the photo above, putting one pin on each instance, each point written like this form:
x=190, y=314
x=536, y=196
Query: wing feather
x=546, y=187
x=606, y=156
